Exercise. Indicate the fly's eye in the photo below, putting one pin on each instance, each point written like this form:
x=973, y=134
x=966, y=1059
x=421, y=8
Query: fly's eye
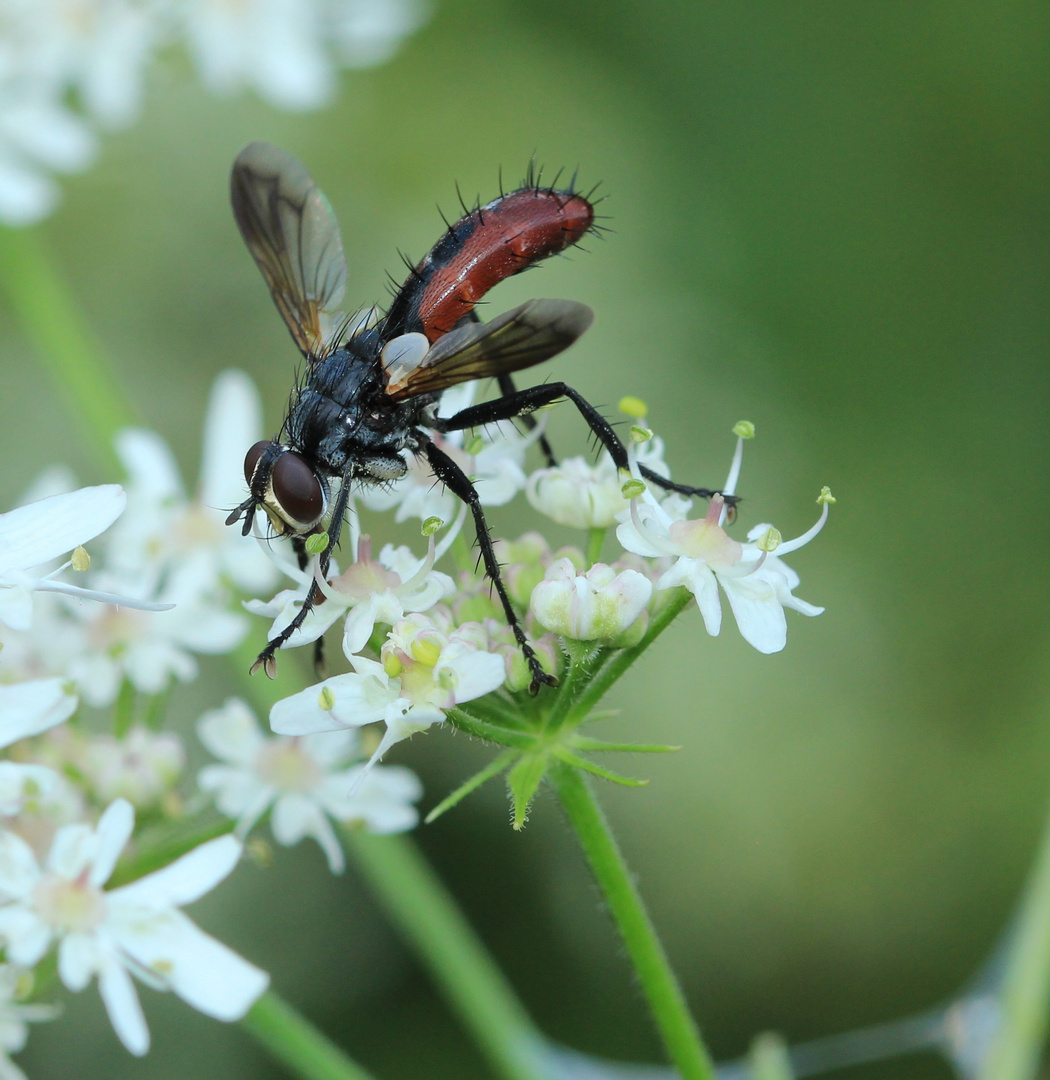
x=251, y=460
x=296, y=490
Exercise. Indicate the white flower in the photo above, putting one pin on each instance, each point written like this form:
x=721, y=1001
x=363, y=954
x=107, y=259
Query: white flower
x=163, y=526
x=39, y=533
x=598, y=605
x=15, y=1018
x=152, y=648
x=369, y=32
x=423, y=672
x=758, y=585
x=141, y=767
x=135, y=929
x=29, y=708
x=585, y=496
x=304, y=780
x=380, y=591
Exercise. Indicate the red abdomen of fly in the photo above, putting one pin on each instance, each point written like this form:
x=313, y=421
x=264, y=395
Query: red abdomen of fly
x=489, y=244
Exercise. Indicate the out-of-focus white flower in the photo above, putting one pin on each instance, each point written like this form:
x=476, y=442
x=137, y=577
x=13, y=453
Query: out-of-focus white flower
x=305, y=781
x=598, y=605
x=141, y=767
x=97, y=54
x=163, y=526
x=150, y=649
x=422, y=672
x=39, y=533
x=372, y=591
x=29, y=708
x=757, y=584
x=585, y=496
x=135, y=929
x=15, y=1018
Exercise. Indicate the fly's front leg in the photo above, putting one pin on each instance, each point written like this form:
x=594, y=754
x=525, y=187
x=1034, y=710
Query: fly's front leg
x=303, y=558
x=457, y=481
x=523, y=402
x=267, y=659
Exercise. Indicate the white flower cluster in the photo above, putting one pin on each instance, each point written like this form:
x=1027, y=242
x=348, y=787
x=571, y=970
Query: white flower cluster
x=441, y=644
x=115, y=629
x=70, y=67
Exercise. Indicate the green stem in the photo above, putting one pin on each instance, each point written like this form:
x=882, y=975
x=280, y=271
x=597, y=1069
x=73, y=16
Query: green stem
x=621, y=661
x=295, y=1042
x=1025, y=995
x=666, y=1000
x=49, y=315
x=595, y=543
x=445, y=942
x=460, y=719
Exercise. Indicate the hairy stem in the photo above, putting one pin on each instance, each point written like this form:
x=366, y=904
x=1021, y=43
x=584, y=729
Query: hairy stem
x=666, y=1001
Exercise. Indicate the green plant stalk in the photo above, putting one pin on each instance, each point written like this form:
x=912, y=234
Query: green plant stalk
x=296, y=1043
x=1025, y=994
x=444, y=941
x=51, y=319
x=680, y=1035
x=619, y=663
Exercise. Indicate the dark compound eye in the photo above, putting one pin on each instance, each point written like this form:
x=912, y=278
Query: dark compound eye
x=251, y=460
x=296, y=490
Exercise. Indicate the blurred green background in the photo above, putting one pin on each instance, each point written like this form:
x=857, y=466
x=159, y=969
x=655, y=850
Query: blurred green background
x=830, y=219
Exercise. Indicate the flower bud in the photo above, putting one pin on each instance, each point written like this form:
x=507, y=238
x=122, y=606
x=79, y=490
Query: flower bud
x=599, y=605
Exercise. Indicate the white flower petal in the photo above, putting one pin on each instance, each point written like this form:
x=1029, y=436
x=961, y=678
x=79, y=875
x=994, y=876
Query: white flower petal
x=32, y=707
x=123, y=1007
x=113, y=832
x=186, y=879
x=231, y=733
x=232, y=424
x=35, y=534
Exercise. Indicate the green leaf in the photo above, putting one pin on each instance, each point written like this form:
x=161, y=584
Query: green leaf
x=523, y=781
x=578, y=762
x=494, y=768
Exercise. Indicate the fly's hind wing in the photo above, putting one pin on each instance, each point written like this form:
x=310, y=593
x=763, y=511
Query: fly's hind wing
x=527, y=335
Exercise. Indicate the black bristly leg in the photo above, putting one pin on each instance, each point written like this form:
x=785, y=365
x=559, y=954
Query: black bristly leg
x=266, y=659
x=303, y=557
x=523, y=402
x=508, y=389
x=457, y=481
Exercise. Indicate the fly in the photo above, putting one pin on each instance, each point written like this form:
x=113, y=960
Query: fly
x=370, y=388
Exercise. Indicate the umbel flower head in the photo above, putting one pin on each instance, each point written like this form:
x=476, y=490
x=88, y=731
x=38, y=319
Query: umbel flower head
x=135, y=929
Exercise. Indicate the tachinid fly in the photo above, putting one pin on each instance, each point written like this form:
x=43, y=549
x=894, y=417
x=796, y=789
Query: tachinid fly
x=371, y=389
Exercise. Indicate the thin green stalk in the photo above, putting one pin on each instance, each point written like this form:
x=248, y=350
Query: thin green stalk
x=295, y=1042
x=155, y=850
x=621, y=661
x=666, y=1000
x=50, y=317
x=595, y=543
x=1025, y=995
x=464, y=972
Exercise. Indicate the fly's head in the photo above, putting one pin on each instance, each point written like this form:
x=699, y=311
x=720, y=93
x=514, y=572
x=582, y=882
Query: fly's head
x=282, y=483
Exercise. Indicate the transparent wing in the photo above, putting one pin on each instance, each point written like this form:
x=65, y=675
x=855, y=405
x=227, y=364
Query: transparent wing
x=527, y=335
x=291, y=231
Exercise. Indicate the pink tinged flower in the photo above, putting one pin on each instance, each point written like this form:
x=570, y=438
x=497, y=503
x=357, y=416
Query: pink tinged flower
x=599, y=605
x=305, y=780
x=29, y=708
x=367, y=592
x=142, y=767
x=757, y=584
x=41, y=532
x=136, y=929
